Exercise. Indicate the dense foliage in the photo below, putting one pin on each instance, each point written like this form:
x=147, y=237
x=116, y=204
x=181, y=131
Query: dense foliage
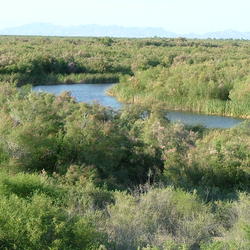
x=80, y=176
x=206, y=76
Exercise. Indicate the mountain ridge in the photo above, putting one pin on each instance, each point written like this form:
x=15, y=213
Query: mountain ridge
x=94, y=30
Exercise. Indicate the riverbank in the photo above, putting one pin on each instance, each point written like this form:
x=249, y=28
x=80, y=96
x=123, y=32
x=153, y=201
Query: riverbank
x=203, y=76
x=205, y=107
x=174, y=92
x=57, y=79
x=96, y=93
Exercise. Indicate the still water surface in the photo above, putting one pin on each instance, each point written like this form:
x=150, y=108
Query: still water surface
x=89, y=93
x=96, y=93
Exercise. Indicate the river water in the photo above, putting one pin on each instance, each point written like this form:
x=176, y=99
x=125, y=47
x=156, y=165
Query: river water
x=96, y=93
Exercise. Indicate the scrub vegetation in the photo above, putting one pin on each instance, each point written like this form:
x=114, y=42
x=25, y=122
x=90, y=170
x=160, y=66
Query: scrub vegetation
x=208, y=76
x=79, y=176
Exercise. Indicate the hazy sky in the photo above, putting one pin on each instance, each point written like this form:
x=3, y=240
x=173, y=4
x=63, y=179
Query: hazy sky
x=182, y=16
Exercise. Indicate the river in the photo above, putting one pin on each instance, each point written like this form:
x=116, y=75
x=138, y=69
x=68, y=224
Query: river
x=97, y=93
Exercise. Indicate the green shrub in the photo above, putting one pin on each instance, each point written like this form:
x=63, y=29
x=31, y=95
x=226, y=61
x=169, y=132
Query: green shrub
x=220, y=159
x=38, y=224
x=157, y=216
x=27, y=185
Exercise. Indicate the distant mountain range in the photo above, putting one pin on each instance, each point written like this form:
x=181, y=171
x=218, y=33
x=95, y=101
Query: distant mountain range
x=226, y=34
x=47, y=29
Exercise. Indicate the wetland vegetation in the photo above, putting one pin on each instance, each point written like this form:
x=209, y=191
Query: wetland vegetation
x=208, y=76
x=82, y=176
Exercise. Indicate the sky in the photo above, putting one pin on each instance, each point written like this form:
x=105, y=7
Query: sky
x=180, y=16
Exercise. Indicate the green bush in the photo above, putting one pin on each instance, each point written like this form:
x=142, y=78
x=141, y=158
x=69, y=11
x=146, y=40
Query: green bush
x=26, y=185
x=38, y=224
x=220, y=159
x=157, y=216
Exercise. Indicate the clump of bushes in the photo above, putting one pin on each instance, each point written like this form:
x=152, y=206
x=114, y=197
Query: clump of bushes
x=219, y=160
x=158, y=216
x=33, y=215
x=80, y=176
